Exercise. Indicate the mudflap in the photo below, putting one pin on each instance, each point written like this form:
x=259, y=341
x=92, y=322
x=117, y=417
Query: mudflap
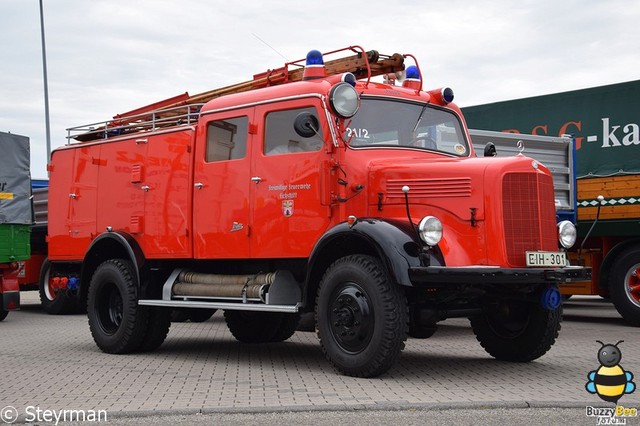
x=9, y=287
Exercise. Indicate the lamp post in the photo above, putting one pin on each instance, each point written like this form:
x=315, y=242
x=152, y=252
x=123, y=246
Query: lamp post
x=46, y=87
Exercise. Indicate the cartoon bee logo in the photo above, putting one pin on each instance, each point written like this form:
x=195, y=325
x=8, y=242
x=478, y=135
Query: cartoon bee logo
x=610, y=381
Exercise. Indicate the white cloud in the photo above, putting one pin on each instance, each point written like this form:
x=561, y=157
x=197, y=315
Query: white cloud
x=110, y=56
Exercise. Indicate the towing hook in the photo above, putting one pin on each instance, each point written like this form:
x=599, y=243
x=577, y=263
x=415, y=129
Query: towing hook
x=551, y=298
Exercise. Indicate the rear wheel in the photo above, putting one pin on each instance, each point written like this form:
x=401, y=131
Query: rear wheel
x=517, y=331
x=422, y=331
x=286, y=329
x=253, y=327
x=192, y=314
x=3, y=313
x=362, y=317
x=54, y=302
x=116, y=322
x=624, y=285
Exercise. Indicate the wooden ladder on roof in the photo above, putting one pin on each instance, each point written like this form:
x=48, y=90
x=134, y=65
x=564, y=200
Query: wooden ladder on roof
x=183, y=108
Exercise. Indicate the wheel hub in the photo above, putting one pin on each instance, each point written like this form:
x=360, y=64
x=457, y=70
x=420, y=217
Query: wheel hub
x=351, y=319
x=632, y=284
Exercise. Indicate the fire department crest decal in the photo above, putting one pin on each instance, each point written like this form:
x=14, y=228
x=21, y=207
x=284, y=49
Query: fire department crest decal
x=287, y=208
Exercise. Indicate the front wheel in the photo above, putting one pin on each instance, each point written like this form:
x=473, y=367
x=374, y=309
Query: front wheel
x=3, y=313
x=362, y=317
x=116, y=322
x=624, y=286
x=517, y=331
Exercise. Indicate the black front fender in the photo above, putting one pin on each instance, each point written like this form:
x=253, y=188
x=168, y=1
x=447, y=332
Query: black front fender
x=393, y=242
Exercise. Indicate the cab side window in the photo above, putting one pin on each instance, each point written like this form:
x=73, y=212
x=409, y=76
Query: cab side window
x=227, y=139
x=281, y=138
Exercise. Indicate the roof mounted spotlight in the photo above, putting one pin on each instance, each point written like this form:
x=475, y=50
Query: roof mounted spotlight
x=314, y=67
x=344, y=100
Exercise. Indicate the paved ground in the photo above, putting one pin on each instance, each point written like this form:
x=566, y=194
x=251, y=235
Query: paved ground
x=51, y=363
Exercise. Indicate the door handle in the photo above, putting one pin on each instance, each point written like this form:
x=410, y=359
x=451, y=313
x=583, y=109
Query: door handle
x=256, y=179
x=145, y=188
x=198, y=185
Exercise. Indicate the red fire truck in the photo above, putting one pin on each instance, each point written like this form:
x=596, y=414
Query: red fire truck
x=310, y=188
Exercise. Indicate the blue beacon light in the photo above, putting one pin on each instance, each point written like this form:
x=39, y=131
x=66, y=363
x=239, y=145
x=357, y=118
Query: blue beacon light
x=412, y=80
x=314, y=57
x=314, y=67
x=413, y=73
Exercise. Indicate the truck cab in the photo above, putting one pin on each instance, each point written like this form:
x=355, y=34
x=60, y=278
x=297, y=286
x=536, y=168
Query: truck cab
x=318, y=191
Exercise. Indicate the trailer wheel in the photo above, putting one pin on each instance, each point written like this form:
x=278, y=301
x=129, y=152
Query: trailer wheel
x=361, y=316
x=3, y=313
x=624, y=285
x=116, y=322
x=253, y=327
x=517, y=331
x=53, y=303
x=159, y=324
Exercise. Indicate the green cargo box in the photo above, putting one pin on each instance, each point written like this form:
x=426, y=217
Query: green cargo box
x=15, y=242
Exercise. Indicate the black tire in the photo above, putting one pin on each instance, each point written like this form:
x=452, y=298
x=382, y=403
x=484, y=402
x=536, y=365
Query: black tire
x=180, y=315
x=362, y=317
x=624, y=285
x=422, y=331
x=287, y=328
x=157, y=330
x=253, y=327
x=3, y=313
x=191, y=314
x=307, y=322
x=116, y=322
x=201, y=315
x=517, y=331
x=54, y=303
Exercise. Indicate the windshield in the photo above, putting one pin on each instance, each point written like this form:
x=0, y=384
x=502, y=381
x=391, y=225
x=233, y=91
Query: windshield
x=393, y=123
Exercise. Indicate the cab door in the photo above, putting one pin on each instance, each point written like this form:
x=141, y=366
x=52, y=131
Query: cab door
x=221, y=186
x=290, y=194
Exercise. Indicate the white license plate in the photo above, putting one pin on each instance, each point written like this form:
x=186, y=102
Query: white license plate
x=546, y=258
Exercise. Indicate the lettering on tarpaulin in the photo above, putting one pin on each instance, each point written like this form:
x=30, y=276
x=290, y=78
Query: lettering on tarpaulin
x=613, y=134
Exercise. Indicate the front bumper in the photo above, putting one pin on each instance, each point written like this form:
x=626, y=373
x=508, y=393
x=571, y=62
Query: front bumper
x=427, y=276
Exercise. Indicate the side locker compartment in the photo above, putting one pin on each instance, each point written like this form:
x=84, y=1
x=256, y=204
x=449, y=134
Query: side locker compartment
x=121, y=200
x=83, y=198
x=166, y=185
x=73, y=189
x=59, y=230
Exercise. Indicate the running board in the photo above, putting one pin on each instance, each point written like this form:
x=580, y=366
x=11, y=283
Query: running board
x=256, y=307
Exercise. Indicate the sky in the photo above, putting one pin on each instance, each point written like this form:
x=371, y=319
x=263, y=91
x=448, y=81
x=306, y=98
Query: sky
x=111, y=56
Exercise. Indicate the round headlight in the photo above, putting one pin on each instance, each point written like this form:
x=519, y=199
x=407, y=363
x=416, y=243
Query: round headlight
x=344, y=100
x=430, y=230
x=567, y=234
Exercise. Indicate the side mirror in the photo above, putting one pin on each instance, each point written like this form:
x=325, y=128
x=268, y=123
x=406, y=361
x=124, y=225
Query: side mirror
x=306, y=124
x=490, y=150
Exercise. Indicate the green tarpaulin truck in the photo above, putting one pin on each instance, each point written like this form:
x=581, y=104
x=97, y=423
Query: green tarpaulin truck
x=605, y=122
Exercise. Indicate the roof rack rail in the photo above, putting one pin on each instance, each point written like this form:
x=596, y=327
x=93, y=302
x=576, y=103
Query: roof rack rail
x=180, y=109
